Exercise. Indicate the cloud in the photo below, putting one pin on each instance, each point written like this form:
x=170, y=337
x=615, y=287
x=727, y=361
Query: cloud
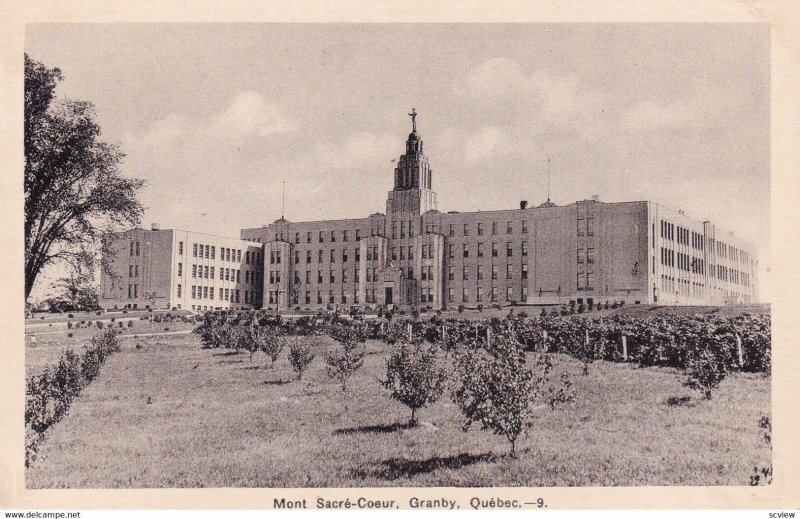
x=488, y=142
x=249, y=114
x=502, y=84
x=357, y=150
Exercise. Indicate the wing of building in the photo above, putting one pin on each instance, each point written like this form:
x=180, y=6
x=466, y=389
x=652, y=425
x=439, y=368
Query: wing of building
x=416, y=256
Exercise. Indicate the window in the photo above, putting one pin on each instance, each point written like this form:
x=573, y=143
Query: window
x=509, y=249
x=333, y=236
x=451, y=272
x=319, y=256
x=205, y=272
x=222, y=272
x=465, y=251
x=213, y=251
x=466, y=229
x=480, y=294
x=130, y=271
x=480, y=229
x=494, y=250
x=465, y=274
x=194, y=271
x=357, y=275
x=333, y=256
x=494, y=228
x=320, y=236
x=494, y=293
x=180, y=269
x=403, y=229
x=450, y=253
x=480, y=250
x=402, y=253
x=137, y=249
x=524, y=271
x=509, y=227
x=509, y=294
x=452, y=230
x=194, y=250
x=193, y=291
x=509, y=272
x=308, y=237
x=410, y=252
x=136, y=271
x=296, y=257
x=358, y=234
x=344, y=255
x=590, y=255
x=450, y=292
x=524, y=248
x=212, y=273
x=319, y=276
x=494, y=271
x=131, y=253
x=344, y=235
x=590, y=227
x=394, y=230
x=580, y=255
x=480, y=271
x=394, y=253
x=208, y=251
x=465, y=295
x=424, y=252
x=589, y=281
x=358, y=253
x=180, y=247
x=524, y=226
x=333, y=277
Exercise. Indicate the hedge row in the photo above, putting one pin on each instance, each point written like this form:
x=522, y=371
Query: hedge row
x=49, y=395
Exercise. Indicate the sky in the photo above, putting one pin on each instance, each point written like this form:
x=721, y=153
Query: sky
x=216, y=116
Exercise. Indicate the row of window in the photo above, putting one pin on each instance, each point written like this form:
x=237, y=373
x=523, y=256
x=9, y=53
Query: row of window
x=210, y=252
x=479, y=295
x=465, y=272
x=465, y=249
x=225, y=274
x=205, y=292
x=586, y=226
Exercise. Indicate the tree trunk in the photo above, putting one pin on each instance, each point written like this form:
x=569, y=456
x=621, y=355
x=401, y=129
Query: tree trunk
x=413, y=421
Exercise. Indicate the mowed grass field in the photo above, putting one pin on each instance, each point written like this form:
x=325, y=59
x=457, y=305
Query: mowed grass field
x=170, y=414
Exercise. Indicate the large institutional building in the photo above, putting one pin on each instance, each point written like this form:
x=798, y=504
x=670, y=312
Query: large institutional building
x=417, y=256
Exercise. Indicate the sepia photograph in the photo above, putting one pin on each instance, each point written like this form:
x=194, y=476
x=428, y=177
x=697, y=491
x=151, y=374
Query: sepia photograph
x=365, y=255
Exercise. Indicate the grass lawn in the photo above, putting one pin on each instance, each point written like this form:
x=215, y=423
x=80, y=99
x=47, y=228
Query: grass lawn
x=171, y=414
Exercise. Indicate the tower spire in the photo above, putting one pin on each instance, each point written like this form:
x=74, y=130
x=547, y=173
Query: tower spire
x=413, y=115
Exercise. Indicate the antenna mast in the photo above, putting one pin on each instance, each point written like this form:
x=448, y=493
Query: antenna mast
x=548, y=179
x=283, y=200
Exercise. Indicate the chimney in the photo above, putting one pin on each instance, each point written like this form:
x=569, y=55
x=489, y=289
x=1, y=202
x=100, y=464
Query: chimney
x=596, y=198
x=523, y=204
x=153, y=226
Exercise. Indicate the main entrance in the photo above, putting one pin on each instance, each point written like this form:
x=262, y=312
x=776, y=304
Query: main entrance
x=388, y=296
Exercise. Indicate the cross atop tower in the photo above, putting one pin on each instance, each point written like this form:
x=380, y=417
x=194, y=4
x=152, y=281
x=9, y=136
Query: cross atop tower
x=413, y=115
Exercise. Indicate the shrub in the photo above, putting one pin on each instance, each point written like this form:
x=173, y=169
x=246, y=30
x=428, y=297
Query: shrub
x=705, y=370
x=461, y=309
x=498, y=390
x=99, y=325
x=764, y=474
x=413, y=377
x=480, y=308
x=70, y=316
x=300, y=356
x=69, y=325
x=340, y=365
x=70, y=334
x=130, y=324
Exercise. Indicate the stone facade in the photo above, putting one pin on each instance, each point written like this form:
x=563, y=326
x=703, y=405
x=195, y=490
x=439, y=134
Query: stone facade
x=416, y=256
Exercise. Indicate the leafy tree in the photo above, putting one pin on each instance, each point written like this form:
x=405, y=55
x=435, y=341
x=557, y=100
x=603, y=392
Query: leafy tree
x=341, y=365
x=705, y=370
x=413, y=377
x=300, y=356
x=270, y=342
x=498, y=389
x=74, y=193
x=77, y=292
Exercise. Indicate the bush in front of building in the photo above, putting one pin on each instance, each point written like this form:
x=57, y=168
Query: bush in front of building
x=414, y=377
